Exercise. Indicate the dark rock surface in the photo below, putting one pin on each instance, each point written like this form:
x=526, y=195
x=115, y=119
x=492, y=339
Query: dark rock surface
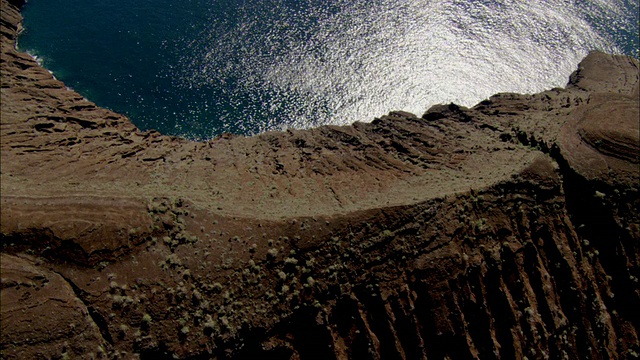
x=508, y=230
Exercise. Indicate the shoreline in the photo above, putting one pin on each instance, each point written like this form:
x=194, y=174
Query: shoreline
x=404, y=236
x=167, y=122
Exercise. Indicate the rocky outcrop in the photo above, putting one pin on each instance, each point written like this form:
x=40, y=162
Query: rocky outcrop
x=508, y=230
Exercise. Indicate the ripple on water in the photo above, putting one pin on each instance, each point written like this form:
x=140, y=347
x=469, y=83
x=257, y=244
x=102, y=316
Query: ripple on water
x=248, y=67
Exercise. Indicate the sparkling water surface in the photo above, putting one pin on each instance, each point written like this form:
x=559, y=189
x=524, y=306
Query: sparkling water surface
x=199, y=68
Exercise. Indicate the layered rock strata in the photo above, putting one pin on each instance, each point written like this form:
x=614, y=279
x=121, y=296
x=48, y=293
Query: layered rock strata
x=507, y=230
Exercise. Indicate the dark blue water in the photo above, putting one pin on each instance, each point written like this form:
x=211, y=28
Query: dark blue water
x=198, y=68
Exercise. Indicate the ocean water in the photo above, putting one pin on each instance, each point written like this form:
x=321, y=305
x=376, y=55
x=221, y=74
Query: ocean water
x=199, y=68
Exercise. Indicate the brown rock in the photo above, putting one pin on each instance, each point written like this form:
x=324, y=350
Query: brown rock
x=601, y=140
x=42, y=316
x=502, y=231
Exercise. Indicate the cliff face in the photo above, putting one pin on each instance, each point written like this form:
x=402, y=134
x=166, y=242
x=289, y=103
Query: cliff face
x=507, y=230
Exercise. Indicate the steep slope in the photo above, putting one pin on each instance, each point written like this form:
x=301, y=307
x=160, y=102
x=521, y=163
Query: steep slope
x=507, y=230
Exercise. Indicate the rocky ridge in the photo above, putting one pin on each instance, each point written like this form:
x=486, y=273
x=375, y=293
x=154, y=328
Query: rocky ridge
x=507, y=230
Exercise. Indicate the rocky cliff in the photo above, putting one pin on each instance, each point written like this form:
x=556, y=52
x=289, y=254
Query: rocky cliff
x=507, y=230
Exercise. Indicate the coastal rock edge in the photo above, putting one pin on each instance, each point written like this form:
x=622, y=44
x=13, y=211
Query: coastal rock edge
x=506, y=230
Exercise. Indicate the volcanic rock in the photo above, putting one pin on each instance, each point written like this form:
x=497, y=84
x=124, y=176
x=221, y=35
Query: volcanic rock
x=506, y=230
